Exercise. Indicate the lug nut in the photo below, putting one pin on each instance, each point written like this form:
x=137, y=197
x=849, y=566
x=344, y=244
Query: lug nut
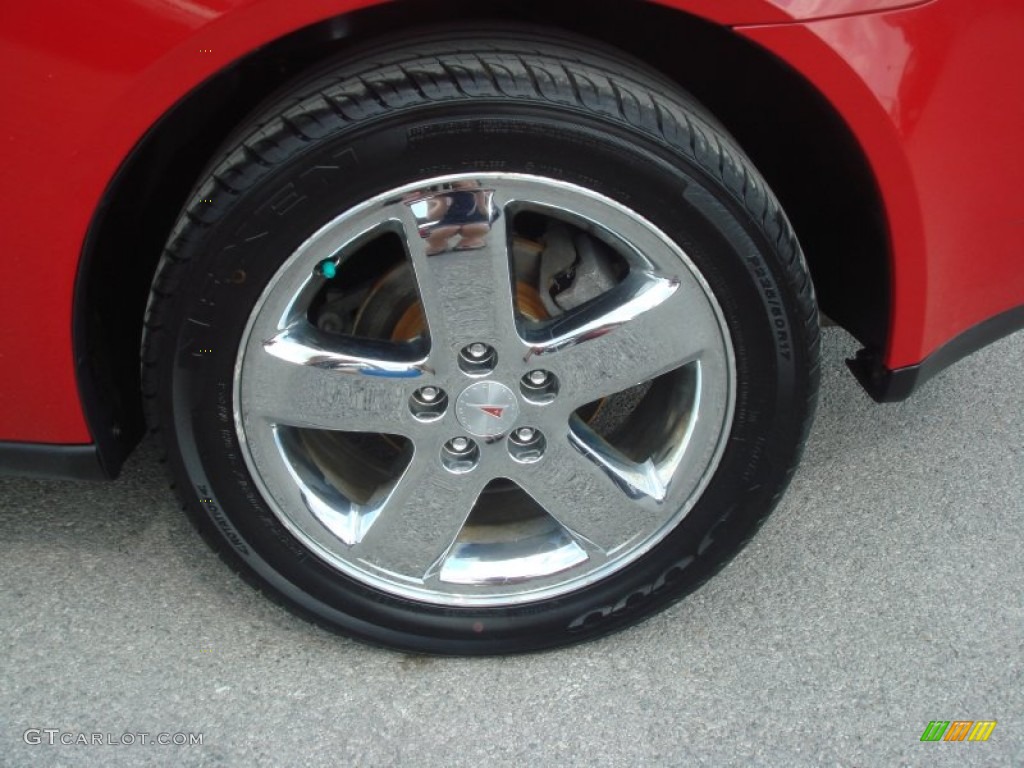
x=477, y=359
x=460, y=455
x=524, y=434
x=539, y=386
x=526, y=445
x=428, y=403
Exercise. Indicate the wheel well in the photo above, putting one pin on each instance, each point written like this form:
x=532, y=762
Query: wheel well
x=794, y=137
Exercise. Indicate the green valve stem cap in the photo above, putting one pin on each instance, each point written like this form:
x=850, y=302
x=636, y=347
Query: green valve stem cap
x=327, y=268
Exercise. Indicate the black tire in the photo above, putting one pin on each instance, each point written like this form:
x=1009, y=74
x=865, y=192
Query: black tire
x=507, y=101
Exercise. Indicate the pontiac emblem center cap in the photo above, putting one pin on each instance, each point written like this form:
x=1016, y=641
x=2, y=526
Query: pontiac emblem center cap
x=487, y=409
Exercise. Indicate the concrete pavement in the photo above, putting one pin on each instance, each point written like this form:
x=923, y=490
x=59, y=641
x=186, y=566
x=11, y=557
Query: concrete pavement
x=885, y=592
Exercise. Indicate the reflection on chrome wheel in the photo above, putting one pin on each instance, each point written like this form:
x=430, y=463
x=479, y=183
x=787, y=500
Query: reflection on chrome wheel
x=478, y=346
x=477, y=493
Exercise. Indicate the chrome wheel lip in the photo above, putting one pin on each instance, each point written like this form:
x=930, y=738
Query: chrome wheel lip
x=568, y=551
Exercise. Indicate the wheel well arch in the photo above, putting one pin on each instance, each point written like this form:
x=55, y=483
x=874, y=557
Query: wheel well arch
x=793, y=135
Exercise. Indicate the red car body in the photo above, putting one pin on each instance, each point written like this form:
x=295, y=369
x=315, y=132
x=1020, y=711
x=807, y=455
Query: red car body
x=104, y=101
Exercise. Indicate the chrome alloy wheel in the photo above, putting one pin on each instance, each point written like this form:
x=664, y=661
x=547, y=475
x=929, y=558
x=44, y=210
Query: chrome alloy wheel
x=489, y=407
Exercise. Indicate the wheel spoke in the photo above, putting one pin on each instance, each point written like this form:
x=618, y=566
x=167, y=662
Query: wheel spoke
x=304, y=378
x=591, y=491
x=420, y=517
x=458, y=244
x=646, y=326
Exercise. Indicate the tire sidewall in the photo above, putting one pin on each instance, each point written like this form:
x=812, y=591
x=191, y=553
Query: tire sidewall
x=228, y=262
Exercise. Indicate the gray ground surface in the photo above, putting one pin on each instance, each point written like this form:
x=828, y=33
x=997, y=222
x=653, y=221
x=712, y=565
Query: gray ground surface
x=883, y=593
